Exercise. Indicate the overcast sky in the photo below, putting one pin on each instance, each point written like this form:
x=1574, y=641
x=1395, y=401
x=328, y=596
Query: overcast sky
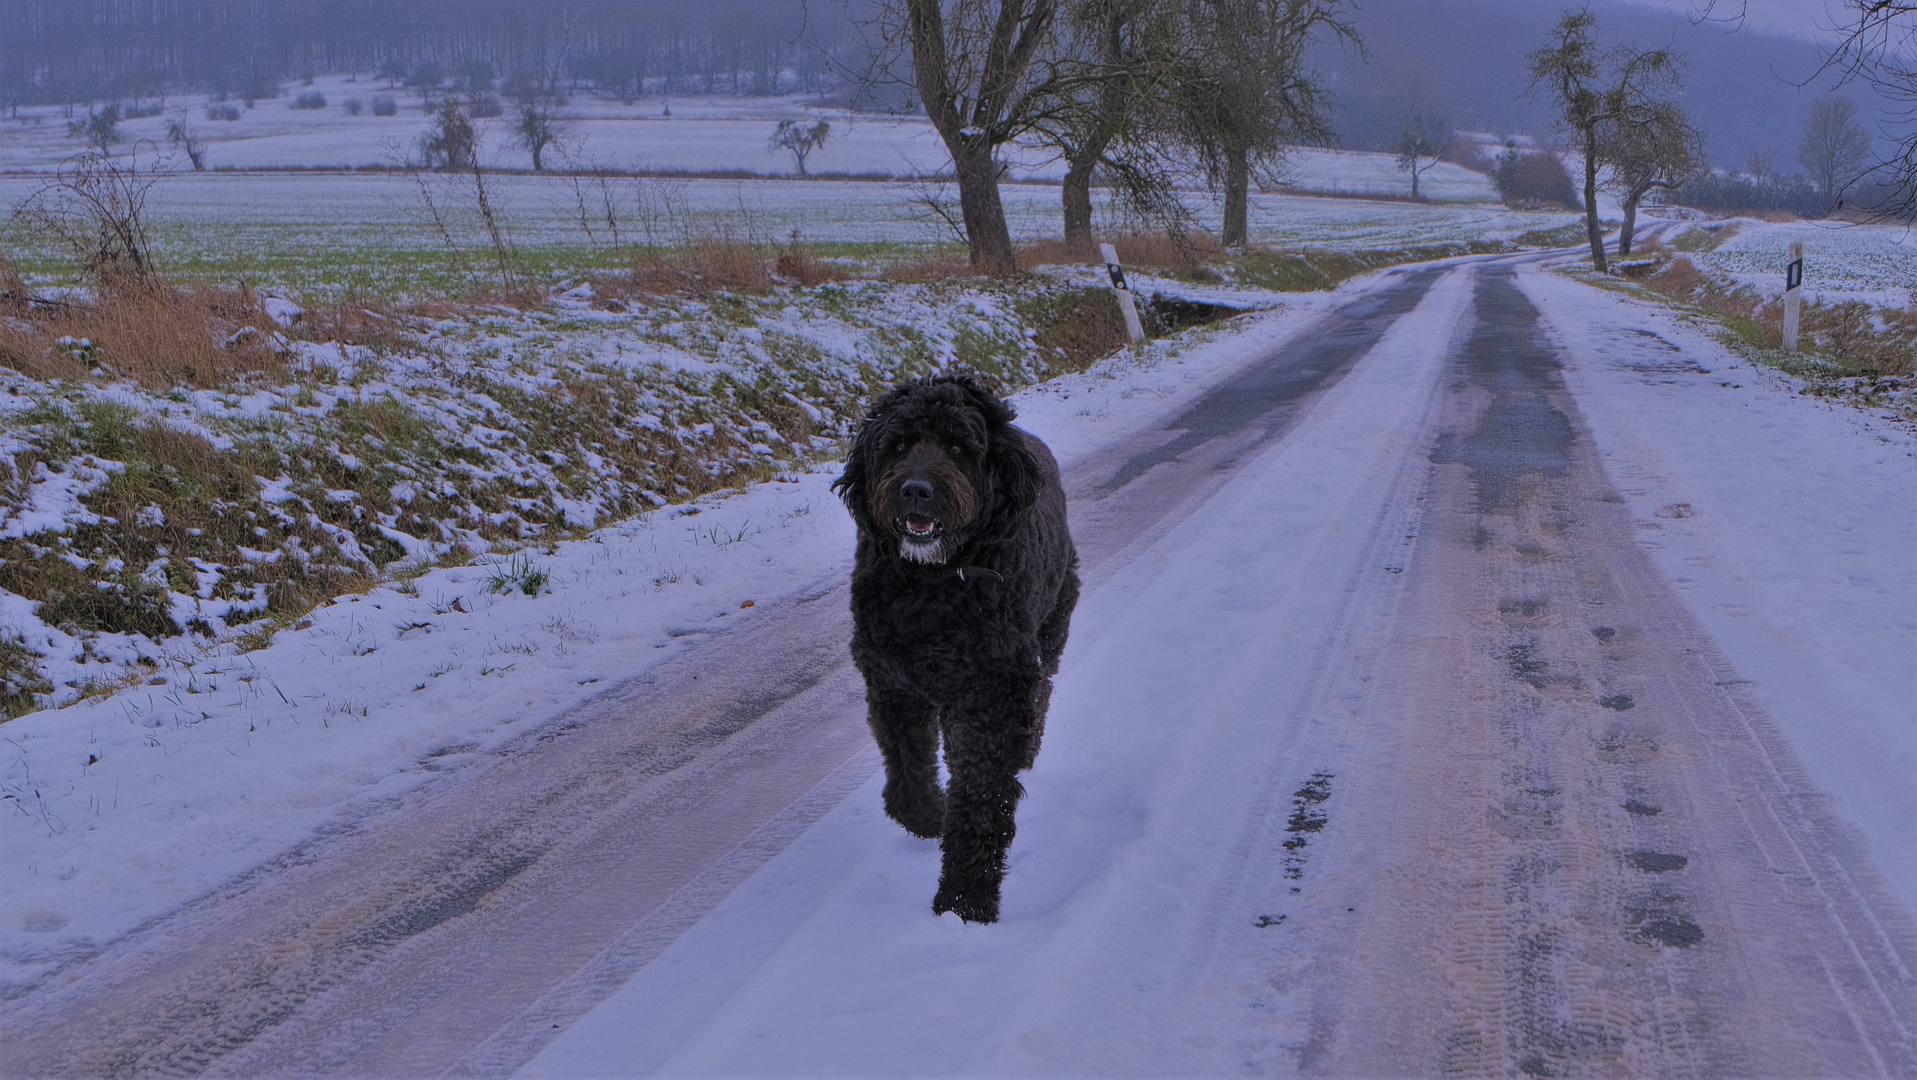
x=1808, y=19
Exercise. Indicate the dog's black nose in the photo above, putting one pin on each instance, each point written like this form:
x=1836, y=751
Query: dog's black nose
x=915, y=490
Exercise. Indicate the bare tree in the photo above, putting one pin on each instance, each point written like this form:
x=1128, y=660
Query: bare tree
x=539, y=123
x=1835, y=149
x=1114, y=60
x=799, y=139
x=1879, y=47
x=1761, y=166
x=191, y=145
x=972, y=64
x=1419, y=144
x=100, y=129
x=1661, y=152
x=451, y=143
x=1599, y=93
x=1244, y=92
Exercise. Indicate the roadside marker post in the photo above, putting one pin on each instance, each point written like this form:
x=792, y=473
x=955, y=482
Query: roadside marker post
x=1793, y=294
x=1124, y=291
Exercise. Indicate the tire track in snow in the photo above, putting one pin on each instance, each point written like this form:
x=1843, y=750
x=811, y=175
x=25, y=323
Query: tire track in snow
x=1598, y=858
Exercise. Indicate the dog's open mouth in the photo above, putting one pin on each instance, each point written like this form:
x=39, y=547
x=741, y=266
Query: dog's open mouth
x=921, y=529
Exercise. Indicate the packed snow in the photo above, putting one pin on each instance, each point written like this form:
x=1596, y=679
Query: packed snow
x=1787, y=524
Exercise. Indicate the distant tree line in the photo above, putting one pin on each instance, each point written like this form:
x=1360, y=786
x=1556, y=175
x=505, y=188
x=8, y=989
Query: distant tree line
x=77, y=51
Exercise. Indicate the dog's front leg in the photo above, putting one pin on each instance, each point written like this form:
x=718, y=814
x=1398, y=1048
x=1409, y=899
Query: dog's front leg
x=906, y=730
x=984, y=749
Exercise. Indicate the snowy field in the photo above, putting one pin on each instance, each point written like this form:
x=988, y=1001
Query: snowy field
x=706, y=134
x=302, y=229
x=1876, y=264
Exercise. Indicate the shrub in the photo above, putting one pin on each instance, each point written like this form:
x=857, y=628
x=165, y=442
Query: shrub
x=1729, y=193
x=1534, y=181
x=312, y=99
x=222, y=112
x=384, y=105
x=353, y=106
x=484, y=107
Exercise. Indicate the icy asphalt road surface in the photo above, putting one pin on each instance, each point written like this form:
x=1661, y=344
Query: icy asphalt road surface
x=1381, y=749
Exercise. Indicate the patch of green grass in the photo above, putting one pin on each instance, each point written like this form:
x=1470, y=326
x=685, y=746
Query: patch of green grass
x=1700, y=238
x=518, y=574
x=1566, y=235
x=1314, y=269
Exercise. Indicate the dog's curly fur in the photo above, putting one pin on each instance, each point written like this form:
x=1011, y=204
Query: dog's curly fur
x=962, y=593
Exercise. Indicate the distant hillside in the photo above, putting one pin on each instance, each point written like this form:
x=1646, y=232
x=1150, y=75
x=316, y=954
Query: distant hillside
x=1465, y=59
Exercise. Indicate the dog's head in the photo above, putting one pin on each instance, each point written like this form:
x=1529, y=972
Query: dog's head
x=937, y=466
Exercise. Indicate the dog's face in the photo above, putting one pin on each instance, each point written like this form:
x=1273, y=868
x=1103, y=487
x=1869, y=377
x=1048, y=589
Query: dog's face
x=935, y=464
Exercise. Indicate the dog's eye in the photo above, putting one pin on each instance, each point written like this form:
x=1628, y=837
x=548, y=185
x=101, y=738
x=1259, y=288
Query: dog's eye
x=955, y=450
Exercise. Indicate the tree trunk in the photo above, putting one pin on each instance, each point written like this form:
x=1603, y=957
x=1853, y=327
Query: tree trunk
x=537, y=149
x=1237, y=188
x=1078, y=203
x=1630, y=221
x=1414, y=179
x=1591, y=230
x=986, y=233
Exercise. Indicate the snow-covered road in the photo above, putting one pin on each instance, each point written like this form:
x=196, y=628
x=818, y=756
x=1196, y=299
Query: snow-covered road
x=1386, y=744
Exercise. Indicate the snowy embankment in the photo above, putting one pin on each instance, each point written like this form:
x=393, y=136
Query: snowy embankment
x=1786, y=523
x=124, y=807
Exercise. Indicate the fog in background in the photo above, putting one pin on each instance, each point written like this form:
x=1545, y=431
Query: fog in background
x=1461, y=61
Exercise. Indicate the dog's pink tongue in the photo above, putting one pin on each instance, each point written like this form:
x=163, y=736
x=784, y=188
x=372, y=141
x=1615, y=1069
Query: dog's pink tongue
x=918, y=524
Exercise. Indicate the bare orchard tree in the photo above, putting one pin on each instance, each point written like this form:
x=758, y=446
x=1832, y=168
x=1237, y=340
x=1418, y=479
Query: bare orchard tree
x=1661, y=152
x=1115, y=58
x=1879, y=47
x=1599, y=93
x=799, y=139
x=1419, y=144
x=451, y=143
x=1244, y=91
x=1835, y=149
x=190, y=144
x=539, y=123
x=972, y=64
x=100, y=129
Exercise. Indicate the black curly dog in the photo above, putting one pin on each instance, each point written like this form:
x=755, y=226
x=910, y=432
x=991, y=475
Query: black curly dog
x=962, y=592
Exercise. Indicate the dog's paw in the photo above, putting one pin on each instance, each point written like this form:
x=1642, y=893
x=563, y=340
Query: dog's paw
x=978, y=905
x=921, y=817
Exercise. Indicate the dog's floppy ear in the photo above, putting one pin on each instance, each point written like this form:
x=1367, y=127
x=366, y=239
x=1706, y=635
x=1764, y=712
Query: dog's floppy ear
x=1015, y=477
x=854, y=484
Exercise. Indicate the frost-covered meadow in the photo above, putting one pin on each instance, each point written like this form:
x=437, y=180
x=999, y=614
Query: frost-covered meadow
x=723, y=134
x=1875, y=264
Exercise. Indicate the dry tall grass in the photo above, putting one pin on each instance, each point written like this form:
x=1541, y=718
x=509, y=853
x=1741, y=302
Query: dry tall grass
x=156, y=334
x=1866, y=340
x=1181, y=254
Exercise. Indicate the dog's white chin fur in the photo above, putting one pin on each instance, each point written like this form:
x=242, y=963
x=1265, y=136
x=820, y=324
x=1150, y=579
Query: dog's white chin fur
x=920, y=551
